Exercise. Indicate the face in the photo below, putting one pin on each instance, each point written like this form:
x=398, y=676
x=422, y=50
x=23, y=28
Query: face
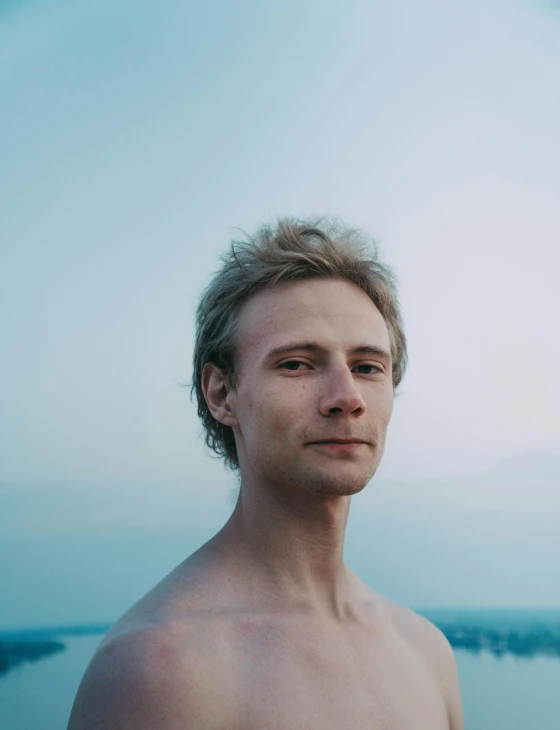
x=313, y=370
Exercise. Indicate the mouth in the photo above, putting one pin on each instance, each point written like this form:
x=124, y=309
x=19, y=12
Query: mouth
x=340, y=441
x=339, y=446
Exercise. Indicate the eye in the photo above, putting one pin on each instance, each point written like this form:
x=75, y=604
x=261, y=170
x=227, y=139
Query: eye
x=292, y=365
x=370, y=372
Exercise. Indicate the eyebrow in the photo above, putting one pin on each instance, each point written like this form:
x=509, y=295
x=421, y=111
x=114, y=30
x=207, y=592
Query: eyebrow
x=312, y=347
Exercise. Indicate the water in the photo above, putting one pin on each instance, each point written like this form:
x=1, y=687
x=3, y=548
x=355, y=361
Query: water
x=507, y=693
x=39, y=695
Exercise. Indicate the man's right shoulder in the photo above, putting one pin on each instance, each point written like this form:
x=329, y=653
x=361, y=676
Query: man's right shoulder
x=141, y=679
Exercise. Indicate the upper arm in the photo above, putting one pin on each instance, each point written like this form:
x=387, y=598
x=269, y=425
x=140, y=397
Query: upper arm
x=434, y=648
x=447, y=676
x=452, y=689
x=131, y=684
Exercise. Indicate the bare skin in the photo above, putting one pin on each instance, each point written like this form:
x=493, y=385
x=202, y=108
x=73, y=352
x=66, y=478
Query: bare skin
x=265, y=627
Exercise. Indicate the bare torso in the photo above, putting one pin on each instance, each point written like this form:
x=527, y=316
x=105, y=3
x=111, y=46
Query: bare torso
x=250, y=668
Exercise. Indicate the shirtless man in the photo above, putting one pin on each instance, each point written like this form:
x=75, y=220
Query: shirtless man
x=298, y=353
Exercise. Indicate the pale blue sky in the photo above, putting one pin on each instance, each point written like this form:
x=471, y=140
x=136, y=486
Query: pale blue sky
x=136, y=136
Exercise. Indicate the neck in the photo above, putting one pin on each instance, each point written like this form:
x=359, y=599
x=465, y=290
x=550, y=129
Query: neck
x=289, y=547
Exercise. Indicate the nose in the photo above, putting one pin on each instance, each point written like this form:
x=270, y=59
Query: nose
x=341, y=396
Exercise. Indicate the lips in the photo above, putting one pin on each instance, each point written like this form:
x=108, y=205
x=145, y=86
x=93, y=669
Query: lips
x=340, y=441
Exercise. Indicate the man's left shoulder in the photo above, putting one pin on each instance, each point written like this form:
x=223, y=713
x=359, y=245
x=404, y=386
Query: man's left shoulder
x=435, y=650
x=425, y=636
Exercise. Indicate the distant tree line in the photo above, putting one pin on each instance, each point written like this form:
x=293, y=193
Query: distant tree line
x=526, y=642
x=13, y=653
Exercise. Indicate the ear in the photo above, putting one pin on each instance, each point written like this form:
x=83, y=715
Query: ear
x=218, y=394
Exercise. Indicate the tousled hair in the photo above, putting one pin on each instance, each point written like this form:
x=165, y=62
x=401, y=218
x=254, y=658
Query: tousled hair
x=292, y=249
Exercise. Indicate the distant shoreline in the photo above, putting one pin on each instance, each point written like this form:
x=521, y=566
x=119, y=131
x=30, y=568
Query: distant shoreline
x=13, y=653
x=18, y=646
x=521, y=633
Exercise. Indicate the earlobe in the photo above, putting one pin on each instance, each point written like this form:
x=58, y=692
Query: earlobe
x=216, y=390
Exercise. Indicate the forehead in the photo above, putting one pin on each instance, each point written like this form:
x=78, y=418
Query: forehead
x=332, y=312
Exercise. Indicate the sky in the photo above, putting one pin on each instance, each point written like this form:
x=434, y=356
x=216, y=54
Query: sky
x=137, y=138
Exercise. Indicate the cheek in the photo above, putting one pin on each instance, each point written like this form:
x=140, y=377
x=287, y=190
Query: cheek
x=382, y=405
x=269, y=414
x=255, y=409
x=277, y=413
x=388, y=407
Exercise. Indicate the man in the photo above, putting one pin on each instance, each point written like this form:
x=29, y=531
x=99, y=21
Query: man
x=298, y=353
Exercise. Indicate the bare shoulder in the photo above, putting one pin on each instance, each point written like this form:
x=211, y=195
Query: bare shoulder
x=143, y=678
x=156, y=667
x=434, y=648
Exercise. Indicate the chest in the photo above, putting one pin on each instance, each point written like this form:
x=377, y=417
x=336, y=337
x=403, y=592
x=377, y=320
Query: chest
x=295, y=681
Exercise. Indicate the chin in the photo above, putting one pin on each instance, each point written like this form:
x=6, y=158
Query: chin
x=345, y=485
x=338, y=480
